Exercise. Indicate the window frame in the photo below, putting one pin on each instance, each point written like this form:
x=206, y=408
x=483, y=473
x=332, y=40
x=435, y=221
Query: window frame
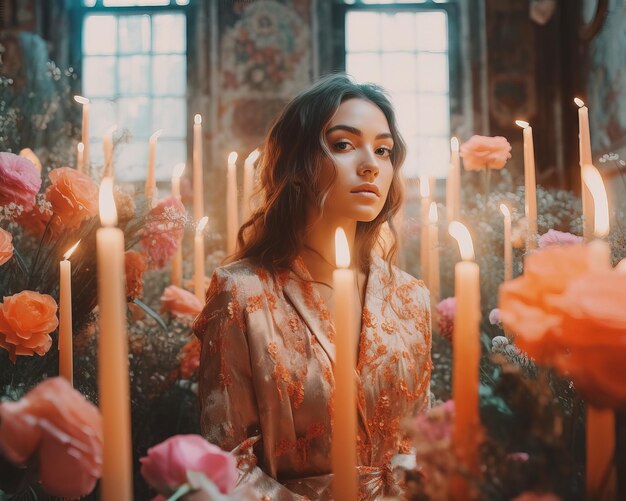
x=77, y=17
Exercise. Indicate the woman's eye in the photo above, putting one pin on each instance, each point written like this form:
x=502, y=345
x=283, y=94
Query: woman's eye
x=383, y=151
x=342, y=145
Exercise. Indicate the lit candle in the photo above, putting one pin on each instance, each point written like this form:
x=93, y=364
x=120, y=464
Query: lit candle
x=530, y=185
x=584, y=149
x=113, y=378
x=150, y=188
x=453, y=183
x=198, y=183
x=508, y=249
x=177, y=261
x=80, y=156
x=232, y=217
x=66, y=369
x=424, y=246
x=107, y=149
x=433, y=257
x=343, y=453
x=198, y=259
x=600, y=422
x=466, y=350
x=248, y=184
x=85, y=132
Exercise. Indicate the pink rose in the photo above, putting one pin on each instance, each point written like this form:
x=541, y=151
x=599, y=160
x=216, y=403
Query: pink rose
x=163, y=231
x=180, y=302
x=446, y=309
x=56, y=425
x=554, y=237
x=166, y=465
x=485, y=152
x=6, y=246
x=19, y=181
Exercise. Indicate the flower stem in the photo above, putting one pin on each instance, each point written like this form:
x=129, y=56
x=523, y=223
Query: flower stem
x=180, y=492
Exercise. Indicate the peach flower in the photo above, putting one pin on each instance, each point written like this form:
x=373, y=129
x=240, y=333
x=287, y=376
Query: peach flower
x=73, y=196
x=135, y=264
x=29, y=154
x=57, y=426
x=19, y=181
x=26, y=319
x=180, y=302
x=481, y=152
x=163, y=231
x=166, y=465
x=6, y=246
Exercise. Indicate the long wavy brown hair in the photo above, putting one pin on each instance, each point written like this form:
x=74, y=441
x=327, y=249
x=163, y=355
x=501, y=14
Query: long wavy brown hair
x=290, y=166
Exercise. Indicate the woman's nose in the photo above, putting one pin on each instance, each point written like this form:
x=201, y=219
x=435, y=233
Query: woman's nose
x=368, y=166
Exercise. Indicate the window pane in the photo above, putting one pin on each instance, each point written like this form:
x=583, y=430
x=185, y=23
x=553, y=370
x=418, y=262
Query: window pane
x=94, y=42
x=399, y=31
x=102, y=116
x=169, y=153
x=168, y=75
x=433, y=115
x=131, y=161
x=364, y=67
x=411, y=167
x=433, y=72
x=399, y=72
x=134, y=115
x=134, y=34
x=134, y=71
x=362, y=31
x=406, y=112
x=132, y=3
x=99, y=76
x=170, y=115
x=169, y=33
x=432, y=31
x=434, y=156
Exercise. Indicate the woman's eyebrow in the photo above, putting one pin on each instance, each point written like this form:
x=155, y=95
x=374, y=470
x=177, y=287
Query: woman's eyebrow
x=357, y=132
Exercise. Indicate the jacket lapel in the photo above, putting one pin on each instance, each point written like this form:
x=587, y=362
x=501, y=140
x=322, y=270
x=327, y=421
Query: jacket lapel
x=310, y=305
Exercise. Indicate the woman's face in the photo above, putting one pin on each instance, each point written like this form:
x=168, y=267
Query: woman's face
x=360, y=143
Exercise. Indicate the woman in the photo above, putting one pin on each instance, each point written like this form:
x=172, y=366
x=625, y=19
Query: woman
x=331, y=159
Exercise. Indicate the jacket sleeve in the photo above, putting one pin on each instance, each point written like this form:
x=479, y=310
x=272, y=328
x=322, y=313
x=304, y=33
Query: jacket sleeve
x=229, y=414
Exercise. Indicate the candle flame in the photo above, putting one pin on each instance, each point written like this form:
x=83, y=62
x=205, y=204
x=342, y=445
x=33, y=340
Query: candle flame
x=252, y=157
x=505, y=210
x=579, y=102
x=178, y=170
x=81, y=147
x=594, y=182
x=81, y=99
x=67, y=255
x=454, y=144
x=201, y=225
x=197, y=119
x=232, y=158
x=432, y=213
x=460, y=232
x=342, y=250
x=424, y=187
x=156, y=134
x=522, y=123
x=108, y=212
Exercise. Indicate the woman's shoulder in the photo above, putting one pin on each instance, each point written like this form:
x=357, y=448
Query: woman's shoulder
x=243, y=277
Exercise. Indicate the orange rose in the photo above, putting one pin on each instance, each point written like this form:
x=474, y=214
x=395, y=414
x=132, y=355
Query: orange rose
x=179, y=302
x=135, y=264
x=26, y=319
x=593, y=310
x=56, y=425
x=481, y=152
x=73, y=196
x=6, y=246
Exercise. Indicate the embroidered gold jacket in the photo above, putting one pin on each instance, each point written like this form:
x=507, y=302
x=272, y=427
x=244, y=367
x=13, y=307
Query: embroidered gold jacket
x=266, y=376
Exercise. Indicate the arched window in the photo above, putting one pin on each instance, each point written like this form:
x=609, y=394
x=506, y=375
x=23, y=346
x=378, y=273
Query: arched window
x=134, y=71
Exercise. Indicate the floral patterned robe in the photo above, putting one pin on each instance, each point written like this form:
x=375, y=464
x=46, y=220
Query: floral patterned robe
x=266, y=376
